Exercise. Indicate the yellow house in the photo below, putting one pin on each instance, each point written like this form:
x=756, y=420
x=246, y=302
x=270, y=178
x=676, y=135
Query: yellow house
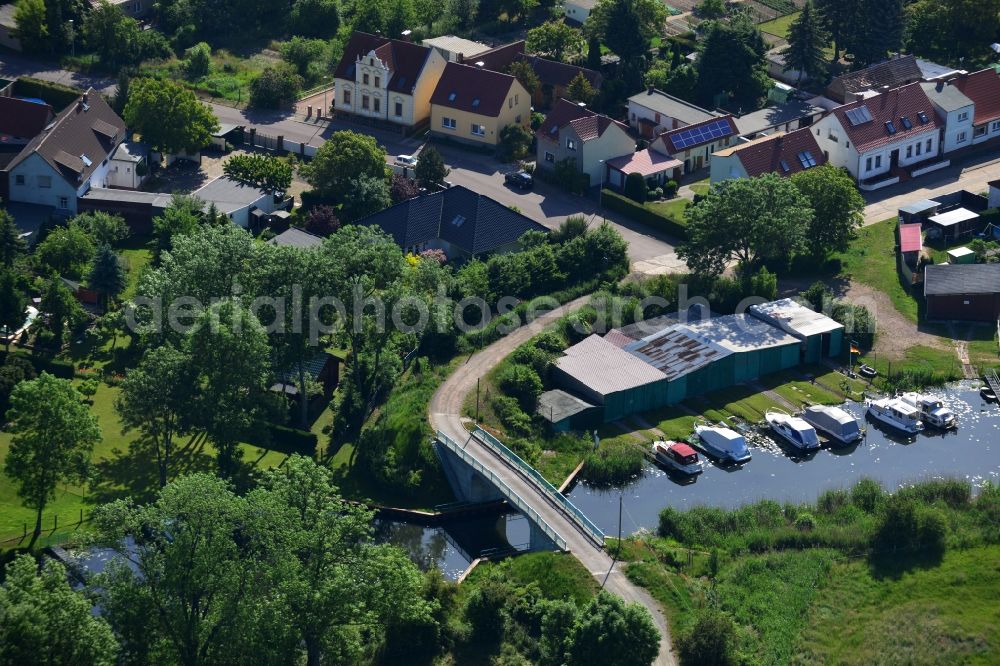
x=472, y=104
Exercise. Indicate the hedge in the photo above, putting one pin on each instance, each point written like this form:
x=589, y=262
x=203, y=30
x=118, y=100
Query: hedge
x=285, y=440
x=640, y=213
x=59, y=96
x=61, y=369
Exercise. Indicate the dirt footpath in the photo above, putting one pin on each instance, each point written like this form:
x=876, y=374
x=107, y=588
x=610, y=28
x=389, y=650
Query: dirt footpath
x=894, y=332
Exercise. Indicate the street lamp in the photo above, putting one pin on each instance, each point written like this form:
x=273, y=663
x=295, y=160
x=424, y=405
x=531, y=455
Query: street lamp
x=72, y=40
x=600, y=192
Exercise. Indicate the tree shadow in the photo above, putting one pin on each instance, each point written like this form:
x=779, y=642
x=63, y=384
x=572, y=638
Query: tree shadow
x=893, y=566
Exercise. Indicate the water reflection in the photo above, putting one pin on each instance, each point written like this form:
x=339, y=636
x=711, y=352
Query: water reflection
x=780, y=473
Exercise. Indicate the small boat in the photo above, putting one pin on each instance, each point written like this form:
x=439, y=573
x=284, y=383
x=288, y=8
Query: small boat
x=678, y=457
x=793, y=429
x=987, y=394
x=932, y=410
x=834, y=422
x=867, y=371
x=724, y=443
x=895, y=413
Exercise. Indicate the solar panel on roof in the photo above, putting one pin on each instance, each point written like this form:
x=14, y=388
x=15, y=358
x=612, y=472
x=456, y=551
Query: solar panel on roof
x=859, y=115
x=806, y=159
x=702, y=134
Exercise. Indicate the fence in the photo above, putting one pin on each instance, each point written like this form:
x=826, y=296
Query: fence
x=256, y=139
x=578, y=517
x=52, y=523
x=504, y=489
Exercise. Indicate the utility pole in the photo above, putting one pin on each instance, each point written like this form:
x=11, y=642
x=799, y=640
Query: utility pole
x=72, y=40
x=477, y=399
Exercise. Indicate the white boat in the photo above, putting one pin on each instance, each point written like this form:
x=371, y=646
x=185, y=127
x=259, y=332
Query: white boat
x=793, y=429
x=724, y=443
x=834, y=422
x=932, y=410
x=678, y=457
x=895, y=413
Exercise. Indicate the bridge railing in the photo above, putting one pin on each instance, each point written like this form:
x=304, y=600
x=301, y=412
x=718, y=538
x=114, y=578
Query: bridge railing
x=588, y=527
x=516, y=500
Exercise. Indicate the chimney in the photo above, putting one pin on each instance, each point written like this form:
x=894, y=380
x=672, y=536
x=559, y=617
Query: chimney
x=460, y=58
x=940, y=86
x=649, y=90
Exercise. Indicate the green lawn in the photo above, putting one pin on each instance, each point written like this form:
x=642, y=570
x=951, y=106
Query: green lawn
x=942, y=361
x=779, y=26
x=798, y=391
x=672, y=208
x=871, y=259
x=559, y=575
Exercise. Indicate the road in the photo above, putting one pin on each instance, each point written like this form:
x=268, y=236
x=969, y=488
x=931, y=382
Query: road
x=445, y=415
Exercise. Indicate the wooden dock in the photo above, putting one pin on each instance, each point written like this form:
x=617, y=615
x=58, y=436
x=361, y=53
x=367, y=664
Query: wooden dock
x=993, y=381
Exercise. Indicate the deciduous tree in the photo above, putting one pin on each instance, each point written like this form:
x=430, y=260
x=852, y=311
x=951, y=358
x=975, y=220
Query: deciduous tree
x=66, y=251
x=276, y=85
x=609, y=631
x=168, y=116
x=104, y=228
x=32, y=25
x=53, y=437
x=838, y=207
x=344, y=157
x=61, y=309
x=554, y=38
x=181, y=217
x=322, y=220
x=13, y=302
x=316, y=18
x=266, y=172
x=627, y=26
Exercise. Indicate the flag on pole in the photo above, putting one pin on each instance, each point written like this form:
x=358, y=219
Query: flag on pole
x=855, y=350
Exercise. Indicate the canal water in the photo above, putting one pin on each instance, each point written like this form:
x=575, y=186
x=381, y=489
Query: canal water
x=972, y=452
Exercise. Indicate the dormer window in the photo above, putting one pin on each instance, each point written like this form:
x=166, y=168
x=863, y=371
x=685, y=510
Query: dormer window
x=475, y=103
x=451, y=96
x=905, y=122
x=890, y=127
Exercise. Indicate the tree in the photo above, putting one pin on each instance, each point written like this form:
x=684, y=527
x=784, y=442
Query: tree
x=402, y=188
x=275, y=86
x=554, y=38
x=463, y=12
x=46, y=621
x=880, y=31
x=346, y=155
x=521, y=382
x=746, y=220
x=732, y=62
x=168, y=116
x=266, y=172
x=525, y=74
x=198, y=60
x=580, y=90
x=807, y=41
x=609, y=631
x=427, y=11
x=364, y=196
x=658, y=75
x=953, y=29
x=230, y=367
x=32, y=25
x=12, y=246
x=155, y=399
x=104, y=228
x=840, y=18
x=181, y=217
x=514, y=142
x=322, y=220
x=635, y=187
x=61, y=309
x=710, y=640
x=627, y=26
x=66, y=251
x=107, y=275
x=401, y=16
x=711, y=9
x=15, y=370
x=838, y=207
x=13, y=302
x=119, y=39
x=53, y=437
x=315, y=18
x=430, y=170
x=300, y=53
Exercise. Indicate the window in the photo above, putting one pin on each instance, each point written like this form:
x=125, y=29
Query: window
x=962, y=117
x=570, y=144
x=19, y=179
x=347, y=97
x=399, y=109
x=478, y=129
x=920, y=148
x=63, y=203
x=930, y=146
x=364, y=79
x=978, y=131
x=906, y=122
x=45, y=181
x=447, y=123
x=784, y=166
x=868, y=164
x=890, y=127
x=515, y=99
x=364, y=102
x=549, y=157
x=451, y=96
x=922, y=117
x=909, y=152
x=517, y=119
x=995, y=127
x=510, y=102
x=832, y=136
x=962, y=137
x=377, y=104
x=878, y=161
x=378, y=82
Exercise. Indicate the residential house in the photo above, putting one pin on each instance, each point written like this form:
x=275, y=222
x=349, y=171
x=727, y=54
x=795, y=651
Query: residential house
x=694, y=144
x=983, y=88
x=137, y=9
x=473, y=105
x=874, y=136
x=322, y=372
x=578, y=11
x=653, y=112
x=68, y=157
x=655, y=167
x=456, y=49
x=963, y=292
x=794, y=114
x=129, y=165
x=994, y=194
x=20, y=122
x=783, y=154
x=244, y=204
x=956, y=112
x=893, y=73
x=387, y=79
x=295, y=237
x=457, y=220
x=572, y=131
x=8, y=27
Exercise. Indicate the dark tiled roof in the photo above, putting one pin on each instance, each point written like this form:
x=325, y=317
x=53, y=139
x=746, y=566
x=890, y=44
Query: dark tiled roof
x=473, y=222
x=499, y=58
x=22, y=119
x=81, y=130
x=673, y=146
x=892, y=73
x=293, y=237
x=556, y=73
x=961, y=279
x=766, y=155
x=587, y=124
x=983, y=88
x=472, y=89
x=404, y=59
x=889, y=106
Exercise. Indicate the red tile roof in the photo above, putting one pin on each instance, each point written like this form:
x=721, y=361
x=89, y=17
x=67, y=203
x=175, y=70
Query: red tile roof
x=594, y=126
x=500, y=58
x=909, y=238
x=472, y=89
x=555, y=73
x=672, y=146
x=644, y=162
x=983, y=88
x=404, y=59
x=766, y=155
x=563, y=111
x=22, y=119
x=889, y=106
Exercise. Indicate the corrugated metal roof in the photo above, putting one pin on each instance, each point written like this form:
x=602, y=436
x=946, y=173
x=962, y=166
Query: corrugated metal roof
x=606, y=369
x=675, y=352
x=794, y=318
x=739, y=333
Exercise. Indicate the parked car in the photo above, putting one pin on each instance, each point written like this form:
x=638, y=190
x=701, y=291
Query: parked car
x=406, y=160
x=521, y=179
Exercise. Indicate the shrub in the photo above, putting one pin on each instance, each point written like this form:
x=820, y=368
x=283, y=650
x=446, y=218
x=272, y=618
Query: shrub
x=521, y=382
x=805, y=522
x=908, y=525
x=613, y=462
x=511, y=416
x=670, y=189
x=868, y=495
x=709, y=641
x=276, y=86
x=532, y=356
x=635, y=187
x=549, y=341
x=198, y=60
x=629, y=208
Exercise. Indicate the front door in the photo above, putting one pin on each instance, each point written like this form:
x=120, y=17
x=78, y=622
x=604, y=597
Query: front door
x=894, y=159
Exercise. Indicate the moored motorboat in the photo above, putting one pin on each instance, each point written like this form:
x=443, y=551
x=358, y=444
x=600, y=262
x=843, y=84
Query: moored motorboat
x=895, y=413
x=987, y=394
x=723, y=443
x=932, y=410
x=793, y=429
x=678, y=457
x=834, y=422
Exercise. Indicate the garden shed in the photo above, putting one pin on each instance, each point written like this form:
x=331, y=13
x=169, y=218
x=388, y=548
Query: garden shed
x=962, y=292
x=820, y=336
x=567, y=412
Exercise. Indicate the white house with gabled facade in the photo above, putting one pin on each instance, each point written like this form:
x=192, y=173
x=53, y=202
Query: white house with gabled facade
x=955, y=110
x=875, y=137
